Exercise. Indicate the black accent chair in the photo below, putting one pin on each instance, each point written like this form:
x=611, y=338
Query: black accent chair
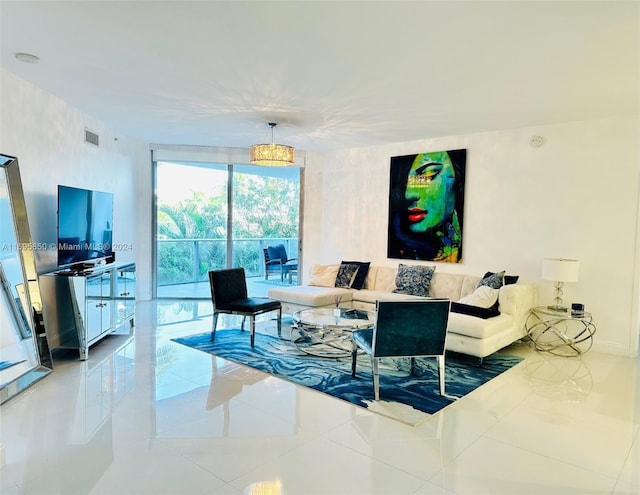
x=229, y=295
x=275, y=260
x=404, y=329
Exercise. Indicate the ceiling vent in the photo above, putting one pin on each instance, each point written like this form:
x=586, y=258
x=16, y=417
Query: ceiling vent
x=91, y=137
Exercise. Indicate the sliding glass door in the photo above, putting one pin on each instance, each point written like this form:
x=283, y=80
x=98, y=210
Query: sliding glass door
x=213, y=216
x=265, y=212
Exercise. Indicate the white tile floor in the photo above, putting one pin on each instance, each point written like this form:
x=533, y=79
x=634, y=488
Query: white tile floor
x=146, y=415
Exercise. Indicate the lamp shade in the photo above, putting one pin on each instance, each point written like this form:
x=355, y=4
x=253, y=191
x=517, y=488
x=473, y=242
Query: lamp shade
x=560, y=269
x=274, y=155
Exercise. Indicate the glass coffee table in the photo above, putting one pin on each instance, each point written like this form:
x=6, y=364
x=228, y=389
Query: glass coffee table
x=320, y=332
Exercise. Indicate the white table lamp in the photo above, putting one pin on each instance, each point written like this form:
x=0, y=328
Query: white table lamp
x=560, y=270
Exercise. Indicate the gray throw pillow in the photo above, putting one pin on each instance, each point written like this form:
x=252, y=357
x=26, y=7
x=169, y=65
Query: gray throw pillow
x=508, y=279
x=495, y=280
x=414, y=280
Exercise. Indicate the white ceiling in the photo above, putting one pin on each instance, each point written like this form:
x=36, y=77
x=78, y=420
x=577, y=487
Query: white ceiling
x=332, y=74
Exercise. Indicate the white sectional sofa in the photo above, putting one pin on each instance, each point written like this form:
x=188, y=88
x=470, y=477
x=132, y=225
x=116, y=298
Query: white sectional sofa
x=473, y=331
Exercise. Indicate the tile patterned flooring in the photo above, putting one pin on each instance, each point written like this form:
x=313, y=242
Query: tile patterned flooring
x=145, y=415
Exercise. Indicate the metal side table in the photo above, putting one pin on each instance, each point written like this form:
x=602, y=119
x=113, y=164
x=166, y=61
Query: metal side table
x=559, y=333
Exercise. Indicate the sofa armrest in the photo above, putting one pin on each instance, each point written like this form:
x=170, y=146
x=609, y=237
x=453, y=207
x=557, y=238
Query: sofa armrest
x=517, y=299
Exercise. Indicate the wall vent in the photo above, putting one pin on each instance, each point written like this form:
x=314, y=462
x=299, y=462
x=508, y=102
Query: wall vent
x=91, y=137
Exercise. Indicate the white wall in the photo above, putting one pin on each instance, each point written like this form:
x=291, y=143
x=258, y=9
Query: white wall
x=576, y=197
x=47, y=136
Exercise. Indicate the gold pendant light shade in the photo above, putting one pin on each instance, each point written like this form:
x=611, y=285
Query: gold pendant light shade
x=272, y=155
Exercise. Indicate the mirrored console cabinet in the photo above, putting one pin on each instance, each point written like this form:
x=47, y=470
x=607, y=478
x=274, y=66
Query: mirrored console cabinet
x=24, y=350
x=84, y=307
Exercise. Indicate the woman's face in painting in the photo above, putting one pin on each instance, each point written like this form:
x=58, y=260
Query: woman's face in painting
x=430, y=191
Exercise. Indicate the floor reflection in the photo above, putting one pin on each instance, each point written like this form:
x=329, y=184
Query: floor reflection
x=566, y=379
x=148, y=415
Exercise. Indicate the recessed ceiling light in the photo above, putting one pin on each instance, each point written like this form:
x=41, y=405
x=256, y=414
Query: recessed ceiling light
x=27, y=58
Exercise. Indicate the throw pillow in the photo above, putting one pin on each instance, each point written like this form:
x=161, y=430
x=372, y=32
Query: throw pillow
x=495, y=281
x=465, y=309
x=414, y=280
x=508, y=279
x=346, y=275
x=483, y=297
x=323, y=275
x=361, y=275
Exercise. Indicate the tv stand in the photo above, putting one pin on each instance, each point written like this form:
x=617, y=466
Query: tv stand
x=83, y=307
x=74, y=272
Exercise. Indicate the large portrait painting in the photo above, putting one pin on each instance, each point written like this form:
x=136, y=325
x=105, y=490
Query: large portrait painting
x=426, y=206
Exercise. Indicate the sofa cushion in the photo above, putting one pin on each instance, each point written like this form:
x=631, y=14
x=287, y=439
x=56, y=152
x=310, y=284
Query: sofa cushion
x=307, y=295
x=361, y=274
x=483, y=297
x=346, y=274
x=370, y=280
x=414, y=280
x=452, y=286
x=323, y=275
x=371, y=296
x=385, y=279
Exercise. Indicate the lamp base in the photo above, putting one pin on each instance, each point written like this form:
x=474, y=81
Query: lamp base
x=559, y=309
x=558, y=306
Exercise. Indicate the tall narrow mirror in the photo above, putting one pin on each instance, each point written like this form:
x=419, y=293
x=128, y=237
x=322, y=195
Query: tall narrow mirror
x=24, y=353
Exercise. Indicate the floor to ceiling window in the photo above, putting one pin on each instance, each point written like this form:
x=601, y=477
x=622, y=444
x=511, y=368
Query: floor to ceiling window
x=211, y=216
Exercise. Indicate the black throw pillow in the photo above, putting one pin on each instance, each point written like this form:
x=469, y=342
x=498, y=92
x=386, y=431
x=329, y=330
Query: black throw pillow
x=508, y=279
x=346, y=275
x=361, y=275
x=478, y=312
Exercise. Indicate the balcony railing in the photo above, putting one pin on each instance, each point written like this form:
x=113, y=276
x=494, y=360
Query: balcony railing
x=187, y=261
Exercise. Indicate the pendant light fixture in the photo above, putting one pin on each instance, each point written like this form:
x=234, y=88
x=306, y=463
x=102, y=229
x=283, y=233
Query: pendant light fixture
x=272, y=155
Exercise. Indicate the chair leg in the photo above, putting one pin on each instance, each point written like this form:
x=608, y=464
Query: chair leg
x=252, y=322
x=441, y=374
x=413, y=366
x=354, y=357
x=214, y=324
x=280, y=323
x=242, y=325
x=376, y=380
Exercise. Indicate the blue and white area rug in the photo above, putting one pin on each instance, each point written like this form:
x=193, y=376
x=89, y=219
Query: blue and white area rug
x=402, y=396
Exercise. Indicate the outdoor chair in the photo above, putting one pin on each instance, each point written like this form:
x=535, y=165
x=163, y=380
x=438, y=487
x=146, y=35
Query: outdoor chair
x=275, y=260
x=229, y=295
x=404, y=329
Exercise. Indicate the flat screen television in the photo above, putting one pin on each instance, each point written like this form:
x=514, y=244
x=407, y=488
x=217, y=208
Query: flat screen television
x=85, y=222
